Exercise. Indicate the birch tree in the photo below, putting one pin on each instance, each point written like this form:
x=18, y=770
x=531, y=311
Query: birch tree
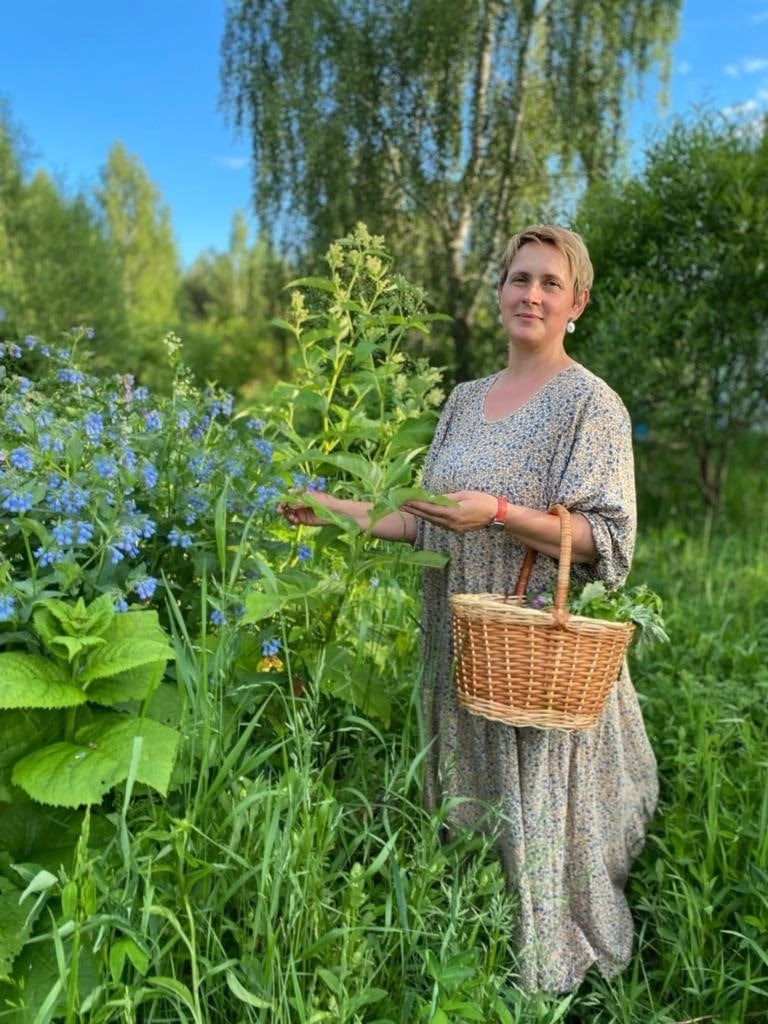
x=443, y=124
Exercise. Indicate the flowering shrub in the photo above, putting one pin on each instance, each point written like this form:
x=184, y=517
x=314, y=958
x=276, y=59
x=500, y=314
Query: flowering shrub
x=126, y=517
x=106, y=489
x=110, y=495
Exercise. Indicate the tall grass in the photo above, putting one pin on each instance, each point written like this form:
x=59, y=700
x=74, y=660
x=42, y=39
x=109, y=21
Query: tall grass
x=293, y=876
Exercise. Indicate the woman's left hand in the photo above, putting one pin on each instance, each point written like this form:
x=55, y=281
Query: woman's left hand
x=470, y=510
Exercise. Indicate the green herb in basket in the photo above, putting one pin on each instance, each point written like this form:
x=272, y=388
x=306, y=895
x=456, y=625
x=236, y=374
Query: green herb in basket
x=637, y=604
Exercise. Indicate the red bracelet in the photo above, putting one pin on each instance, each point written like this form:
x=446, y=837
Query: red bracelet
x=499, y=521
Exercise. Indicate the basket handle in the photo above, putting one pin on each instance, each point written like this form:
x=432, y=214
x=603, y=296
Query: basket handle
x=563, y=565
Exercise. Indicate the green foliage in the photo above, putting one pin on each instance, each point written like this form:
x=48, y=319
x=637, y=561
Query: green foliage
x=228, y=300
x=679, y=324
x=638, y=604
x=82, y=659
x=138, y=229
x=43, y=289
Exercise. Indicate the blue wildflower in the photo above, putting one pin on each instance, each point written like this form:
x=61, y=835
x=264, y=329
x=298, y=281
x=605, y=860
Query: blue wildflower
x=30, y=341
x=49, y=443
x=149, y=475
x=121, y=605
x=222, y=406
x=141, y=394
x=24, y=385
x=68, y=498
x=269, y=648
x=105, y=466
x=15, y=352
x=69, y=376
x=177, y=539
x=217, y=617
x=63, y=533
x=22, y=459
x=16, y=502
x=201, y=466
x=145, y=587
x=265, y=493
x=94, y=425
x=304, y=552
x=183, y=419
x=7, y=606
x=153, y=420
x=72, y=533
x=263, y=447
x=46, y=556
x=83, y=531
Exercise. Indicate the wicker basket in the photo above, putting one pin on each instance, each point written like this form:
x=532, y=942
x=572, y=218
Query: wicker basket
x=528, y=667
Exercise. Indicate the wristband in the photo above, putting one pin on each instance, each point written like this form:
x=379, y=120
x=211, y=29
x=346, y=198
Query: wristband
x=499, y=521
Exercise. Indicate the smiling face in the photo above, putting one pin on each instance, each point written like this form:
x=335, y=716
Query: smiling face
x=536, y=298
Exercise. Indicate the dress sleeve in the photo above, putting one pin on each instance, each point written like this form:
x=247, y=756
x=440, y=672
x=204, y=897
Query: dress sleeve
x=598, y=481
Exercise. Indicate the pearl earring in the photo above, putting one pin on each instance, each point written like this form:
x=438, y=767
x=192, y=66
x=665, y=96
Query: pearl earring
x=570, y=327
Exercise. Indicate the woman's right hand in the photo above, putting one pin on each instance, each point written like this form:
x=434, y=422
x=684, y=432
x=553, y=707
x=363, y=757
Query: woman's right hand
x=300, y=513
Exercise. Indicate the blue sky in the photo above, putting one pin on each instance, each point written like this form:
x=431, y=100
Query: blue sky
x=82, y=75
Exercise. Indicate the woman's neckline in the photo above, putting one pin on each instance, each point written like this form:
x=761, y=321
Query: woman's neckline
x=494, y=377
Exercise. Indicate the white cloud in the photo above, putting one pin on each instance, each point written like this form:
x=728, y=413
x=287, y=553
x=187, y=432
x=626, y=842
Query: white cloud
x=746, y=66
x=232, y=163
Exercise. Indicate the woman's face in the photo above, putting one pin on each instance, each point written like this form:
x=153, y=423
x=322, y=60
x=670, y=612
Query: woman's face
x=536, y=300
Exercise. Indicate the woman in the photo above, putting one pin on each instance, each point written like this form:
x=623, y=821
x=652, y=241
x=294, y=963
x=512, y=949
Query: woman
x=572, y=806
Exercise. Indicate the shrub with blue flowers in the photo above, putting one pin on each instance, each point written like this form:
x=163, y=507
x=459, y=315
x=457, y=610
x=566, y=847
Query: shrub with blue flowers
x=107, y=489
x=159, y=620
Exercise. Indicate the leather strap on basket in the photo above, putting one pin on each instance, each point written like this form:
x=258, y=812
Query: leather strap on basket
x=559, y=612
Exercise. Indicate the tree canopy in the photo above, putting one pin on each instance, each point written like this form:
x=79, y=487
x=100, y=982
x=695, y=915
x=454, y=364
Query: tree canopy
x=443, y=124
x=678, y=320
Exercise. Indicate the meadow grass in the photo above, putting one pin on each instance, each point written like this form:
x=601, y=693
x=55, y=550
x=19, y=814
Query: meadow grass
x=295, y=877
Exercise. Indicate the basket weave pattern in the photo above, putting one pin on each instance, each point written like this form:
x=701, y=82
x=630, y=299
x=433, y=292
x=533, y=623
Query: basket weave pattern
x=530, y=667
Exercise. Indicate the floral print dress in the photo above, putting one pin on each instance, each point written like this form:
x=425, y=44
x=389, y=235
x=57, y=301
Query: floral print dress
x=572, y=807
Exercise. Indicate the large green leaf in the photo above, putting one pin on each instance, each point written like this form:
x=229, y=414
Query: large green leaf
x=41, y=975
x=133, y=684
x=116, y=733
x=264, y=606
x=14, y=925
x=122, y=655
x=345, y=677
x=71, y=646
x=142, y=623
x=20, y=730
x=32, y=681
x=68, y=774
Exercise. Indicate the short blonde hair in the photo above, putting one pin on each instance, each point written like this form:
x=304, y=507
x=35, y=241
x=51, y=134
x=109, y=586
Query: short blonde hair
x=566, y=242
